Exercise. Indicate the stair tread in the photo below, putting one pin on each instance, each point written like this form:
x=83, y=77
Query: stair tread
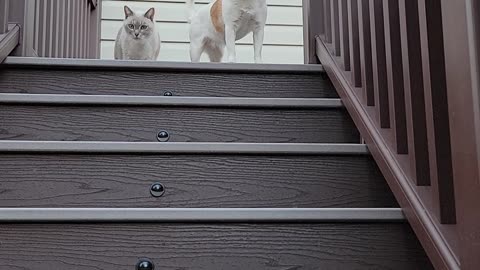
x=162, y=65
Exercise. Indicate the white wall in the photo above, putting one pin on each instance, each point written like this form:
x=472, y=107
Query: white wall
x=283, y=36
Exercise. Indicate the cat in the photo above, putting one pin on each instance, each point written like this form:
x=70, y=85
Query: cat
x=220, y=23
x=138, y=39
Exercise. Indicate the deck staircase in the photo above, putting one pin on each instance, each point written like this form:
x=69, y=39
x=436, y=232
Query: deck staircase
x=143, y=165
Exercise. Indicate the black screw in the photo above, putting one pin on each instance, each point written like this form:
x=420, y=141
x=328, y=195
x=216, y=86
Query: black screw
x=157, y=190
x=168, y=94
x=145, y=264
x=163, y=136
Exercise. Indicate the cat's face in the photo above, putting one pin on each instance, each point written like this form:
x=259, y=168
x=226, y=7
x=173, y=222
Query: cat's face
x=139, y=26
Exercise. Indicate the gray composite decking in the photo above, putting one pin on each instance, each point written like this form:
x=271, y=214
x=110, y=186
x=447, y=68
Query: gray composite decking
x=103, y=77
x=127, y=118
x=263, y=170
x=120, y=180
x=211, y=246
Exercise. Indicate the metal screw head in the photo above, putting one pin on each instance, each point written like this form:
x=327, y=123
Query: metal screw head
x=163, y=136
x=145, y=264
x=168, y=94
x=157, y=190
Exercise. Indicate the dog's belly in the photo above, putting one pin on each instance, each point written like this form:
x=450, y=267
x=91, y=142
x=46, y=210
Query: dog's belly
x=245, y=25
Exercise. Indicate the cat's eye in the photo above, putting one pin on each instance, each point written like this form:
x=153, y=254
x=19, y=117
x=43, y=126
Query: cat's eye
x=131, y=26
x=144, y=27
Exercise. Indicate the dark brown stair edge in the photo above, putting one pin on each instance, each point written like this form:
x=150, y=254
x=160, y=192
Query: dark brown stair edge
x=32, y=62
x=123, y=215
x=231, y=102
x=182, y=148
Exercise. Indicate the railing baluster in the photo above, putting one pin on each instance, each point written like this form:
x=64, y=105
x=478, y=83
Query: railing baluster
x=61, y=33
x=328, y=20
x=354, y=43
x=50, y=29
x=77, y=28
x=379, y=63
x=3, y=16
x=345, y=39
x=414, y=95
x=395, y=75
x=434, y=78
x=42, y=36
x=69, y=29
x=335, y=28
x=83, y=27
x=366, y=51
x=56, y=28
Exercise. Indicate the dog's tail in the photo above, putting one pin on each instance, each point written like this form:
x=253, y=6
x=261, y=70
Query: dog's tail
x=190, y=10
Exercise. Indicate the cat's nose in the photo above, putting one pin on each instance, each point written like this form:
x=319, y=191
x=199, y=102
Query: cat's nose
x=136, y=34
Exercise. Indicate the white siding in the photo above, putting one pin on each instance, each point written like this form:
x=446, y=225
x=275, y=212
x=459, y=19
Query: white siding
x=283, y=36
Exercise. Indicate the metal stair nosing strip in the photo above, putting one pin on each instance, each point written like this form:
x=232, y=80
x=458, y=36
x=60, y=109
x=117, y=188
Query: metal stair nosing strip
x=181, y=148
x=124, y=100
x=118, y=65
x=128, y=215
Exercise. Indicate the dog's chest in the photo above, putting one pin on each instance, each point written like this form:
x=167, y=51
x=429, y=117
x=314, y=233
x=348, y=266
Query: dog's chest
x=244, y=17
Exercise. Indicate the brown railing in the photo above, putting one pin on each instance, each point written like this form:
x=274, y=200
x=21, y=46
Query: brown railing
x=408, y=73
x=54, y=28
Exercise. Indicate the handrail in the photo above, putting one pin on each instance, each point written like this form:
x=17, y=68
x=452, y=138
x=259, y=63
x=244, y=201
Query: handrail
x=408, y=73
x=9, y=41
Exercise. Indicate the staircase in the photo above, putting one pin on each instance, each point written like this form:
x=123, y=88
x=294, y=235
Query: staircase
x=144, y=165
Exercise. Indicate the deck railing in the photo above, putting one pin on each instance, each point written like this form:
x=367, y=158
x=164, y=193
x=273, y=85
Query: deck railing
x=408, y=72
x=53, y=28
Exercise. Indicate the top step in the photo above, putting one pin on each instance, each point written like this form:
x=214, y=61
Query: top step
x=149, y=78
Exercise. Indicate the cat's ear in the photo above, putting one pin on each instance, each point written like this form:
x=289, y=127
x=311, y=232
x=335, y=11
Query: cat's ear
x=128, y=12
x=150, y=14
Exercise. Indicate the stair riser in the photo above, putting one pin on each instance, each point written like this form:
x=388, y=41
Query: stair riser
x=82, y=180
x=211, y=247
x=154, y=83
x=133, y=124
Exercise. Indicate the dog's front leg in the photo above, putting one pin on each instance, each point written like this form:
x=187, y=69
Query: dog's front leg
x=230, y=37
x=258, y=35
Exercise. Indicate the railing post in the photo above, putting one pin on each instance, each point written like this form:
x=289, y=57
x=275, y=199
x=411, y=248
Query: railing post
x=462, y=53
x=313, y=26
x=95, y=29
x=3, y=16
x=22, y=12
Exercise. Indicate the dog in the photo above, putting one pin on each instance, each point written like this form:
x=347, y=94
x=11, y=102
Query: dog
x=222, y=22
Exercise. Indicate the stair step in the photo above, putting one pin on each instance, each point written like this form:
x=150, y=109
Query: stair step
x=105, y=77
x=113, y=174
x=186, y=119
x=113, y=246
x=215, y=215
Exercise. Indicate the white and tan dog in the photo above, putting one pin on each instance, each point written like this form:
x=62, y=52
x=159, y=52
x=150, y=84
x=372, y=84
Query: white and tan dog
x=221, y=23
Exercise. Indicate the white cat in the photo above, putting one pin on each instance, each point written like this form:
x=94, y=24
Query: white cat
x=221, y=23
x=138, y=39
